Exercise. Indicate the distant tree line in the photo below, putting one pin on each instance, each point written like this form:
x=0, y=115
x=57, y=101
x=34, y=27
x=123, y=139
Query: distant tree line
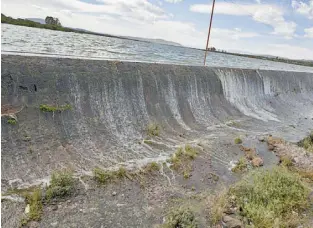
x=51, y=23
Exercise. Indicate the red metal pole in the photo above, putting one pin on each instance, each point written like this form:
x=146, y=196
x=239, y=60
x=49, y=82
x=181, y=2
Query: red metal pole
x=207, y=42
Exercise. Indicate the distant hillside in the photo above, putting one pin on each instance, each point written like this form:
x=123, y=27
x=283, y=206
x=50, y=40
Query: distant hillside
x=159, y=41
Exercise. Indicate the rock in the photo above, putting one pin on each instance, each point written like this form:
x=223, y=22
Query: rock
x=270, y=147
x=261, y=139
x=257, y=162
x=54, y=224
x=55, y=207
x=114, y=193
x=27, y=209
x=230, y=222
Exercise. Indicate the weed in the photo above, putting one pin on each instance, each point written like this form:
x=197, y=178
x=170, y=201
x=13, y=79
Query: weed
x=241, y=165
x=121, y=172
x=151, y=167
x=286, y=161
x=186, y=174
x=12, y=121
x=218, y=204
x=180, y=160
x=190, y=151
x=61, y=185
x=50, y=108
x=35, y=204
x=181, y=218
x=34, y=200
x=105, y=176
x=153, y=129
x=238, y=140
x=272, y=197
x=307, y=143
x=102, y=176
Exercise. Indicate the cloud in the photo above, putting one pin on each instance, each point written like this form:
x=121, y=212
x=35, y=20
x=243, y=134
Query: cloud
x=303, y=8
x=264, y=13
x=308, y=32
x=173, y=1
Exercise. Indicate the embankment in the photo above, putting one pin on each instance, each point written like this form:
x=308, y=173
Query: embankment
x=112, y=104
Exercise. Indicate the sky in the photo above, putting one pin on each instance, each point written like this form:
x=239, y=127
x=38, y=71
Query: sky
x=269, y=27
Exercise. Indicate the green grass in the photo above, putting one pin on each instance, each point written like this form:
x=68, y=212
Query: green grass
x=182, y=156
x=151, y=167
x=34, y=199
x=238, y=140
x=269, y=198
x=12, y=121
x=181, y=218
x=61, y=185
x=50, y=108
x=105, y=176
x=307, y=143
x=153, y=129
x=190, y=151
x=241, y=165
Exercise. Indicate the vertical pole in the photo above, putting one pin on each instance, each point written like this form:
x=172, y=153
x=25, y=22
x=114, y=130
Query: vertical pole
x=207, y=42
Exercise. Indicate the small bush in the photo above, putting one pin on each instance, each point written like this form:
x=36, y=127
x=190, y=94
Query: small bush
x=241, y=165
x=49, y=108
x=307, y=143
x=153, y=130
x=181, y=218
x=272, y=197
x=102, y=176
x=12, y=121
x=61, y=185
x=238, y=140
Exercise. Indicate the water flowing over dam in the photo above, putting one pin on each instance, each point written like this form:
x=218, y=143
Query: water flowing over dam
x=107, y=106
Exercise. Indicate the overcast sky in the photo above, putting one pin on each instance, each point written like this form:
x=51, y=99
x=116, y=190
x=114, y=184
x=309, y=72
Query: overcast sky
x=273, y=27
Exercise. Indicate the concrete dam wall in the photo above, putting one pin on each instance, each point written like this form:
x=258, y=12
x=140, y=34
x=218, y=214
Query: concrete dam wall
x=111, y=104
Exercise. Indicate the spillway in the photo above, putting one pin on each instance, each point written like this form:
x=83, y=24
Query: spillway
x=112, y=103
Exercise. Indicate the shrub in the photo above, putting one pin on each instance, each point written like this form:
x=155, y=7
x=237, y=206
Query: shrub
x=307, y=143
x=50, y=108
x=153, y=130
x=12, y=121
x=181, y=218
x=238, y=140
x=61, y=185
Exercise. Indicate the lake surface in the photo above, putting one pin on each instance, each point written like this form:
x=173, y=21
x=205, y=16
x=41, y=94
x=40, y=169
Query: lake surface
x=34, y=41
